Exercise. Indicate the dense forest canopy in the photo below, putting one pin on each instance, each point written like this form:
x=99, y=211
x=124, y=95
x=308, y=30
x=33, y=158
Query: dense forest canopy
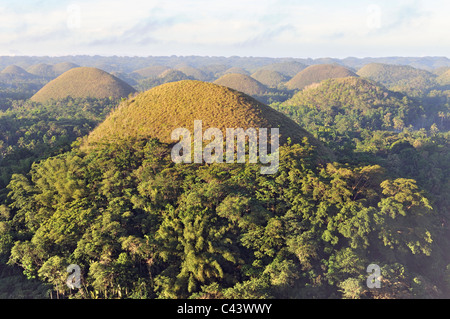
x=140, y=226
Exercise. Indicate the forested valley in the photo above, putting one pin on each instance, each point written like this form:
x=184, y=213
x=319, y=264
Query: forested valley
x=140, y=226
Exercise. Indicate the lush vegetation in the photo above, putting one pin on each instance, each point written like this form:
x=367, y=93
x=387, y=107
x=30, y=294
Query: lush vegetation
x=33, y=131
x=352, y=103
x=400, y=78
x=140, y=226
x=90, y=181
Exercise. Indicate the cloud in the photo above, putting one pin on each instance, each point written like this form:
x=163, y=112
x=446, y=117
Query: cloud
x=275, y=27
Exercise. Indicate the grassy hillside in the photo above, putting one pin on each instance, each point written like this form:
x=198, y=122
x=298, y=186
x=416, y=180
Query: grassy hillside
x=242, y=83
x=216, y=70
x=271, y=79
x=236, y=69
x=352, y=103
x=289, y=69
x=316, y=74
x=51, y=71
x=194, y=73
x=41, y=70
x=157, y=112
x=441, y=70
x=16, y=72
x=84, y=82
x=444, y=78
x=401, y=78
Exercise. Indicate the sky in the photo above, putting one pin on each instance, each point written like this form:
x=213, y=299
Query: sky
x=264, y=28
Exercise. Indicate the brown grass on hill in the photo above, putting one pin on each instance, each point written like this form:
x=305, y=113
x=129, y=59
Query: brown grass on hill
x=157, y=112
x=318, y=73
x=84, y=82
x=270, y=78
x=242, y=83
x=16, y=71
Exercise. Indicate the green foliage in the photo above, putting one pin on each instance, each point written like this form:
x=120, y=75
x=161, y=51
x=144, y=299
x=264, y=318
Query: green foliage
x=138, y=225
x=30, y=131
x=351, y=104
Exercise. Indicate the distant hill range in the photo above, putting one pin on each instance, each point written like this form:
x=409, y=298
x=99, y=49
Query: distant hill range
x=286, y=66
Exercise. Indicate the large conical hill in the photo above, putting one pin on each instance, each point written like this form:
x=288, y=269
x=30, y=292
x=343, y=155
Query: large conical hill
x=84, y=82
x=444, y=79
x=158, y=111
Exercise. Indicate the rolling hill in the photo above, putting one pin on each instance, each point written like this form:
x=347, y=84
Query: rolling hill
x=41, y=70
x=236, y=69
x=16, y=72
x=157, y=112
x=60, y=68
x=353, y=103
x=444, y=78
x=51, y=71
x=271, y=79
x=242, y=83
x=316, y=74
x=403, y=78
x=84, y=82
